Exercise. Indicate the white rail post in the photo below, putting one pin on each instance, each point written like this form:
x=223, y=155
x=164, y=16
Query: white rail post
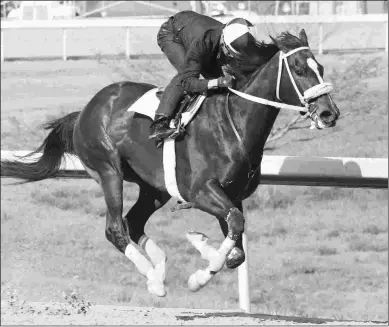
x=2, y=46
x=321, y=38
x=128, y=42
x=64, y=57
x=386, y=36
x=243, y=276
x=34, y=13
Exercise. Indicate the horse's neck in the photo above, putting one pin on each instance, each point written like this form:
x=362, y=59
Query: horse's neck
x=253, y=120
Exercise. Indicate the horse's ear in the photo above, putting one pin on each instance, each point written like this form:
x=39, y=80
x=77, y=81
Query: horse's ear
x=278, y=44
x=303, y=37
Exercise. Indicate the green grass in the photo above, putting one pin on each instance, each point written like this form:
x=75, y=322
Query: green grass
x=313, y=251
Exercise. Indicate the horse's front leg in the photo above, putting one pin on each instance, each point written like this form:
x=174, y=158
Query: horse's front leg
x=212, y=199
x=237, y=256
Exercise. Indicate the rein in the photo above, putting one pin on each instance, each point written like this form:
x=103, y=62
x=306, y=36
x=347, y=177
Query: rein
x=311, y=93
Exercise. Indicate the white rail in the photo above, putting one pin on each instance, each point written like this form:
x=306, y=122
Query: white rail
x=287, y=170
x=281, y=170
x=128, y=23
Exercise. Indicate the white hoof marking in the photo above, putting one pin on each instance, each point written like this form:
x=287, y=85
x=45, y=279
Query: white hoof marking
x=155, y=283
x=198, y=280
x=156, y=288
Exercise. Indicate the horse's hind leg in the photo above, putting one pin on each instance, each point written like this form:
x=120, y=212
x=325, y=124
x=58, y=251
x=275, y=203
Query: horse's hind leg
x=150, y=200
x=112, y=183
x=108, y=173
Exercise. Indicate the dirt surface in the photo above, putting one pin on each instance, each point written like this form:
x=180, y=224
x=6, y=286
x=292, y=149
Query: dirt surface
x=39, y=313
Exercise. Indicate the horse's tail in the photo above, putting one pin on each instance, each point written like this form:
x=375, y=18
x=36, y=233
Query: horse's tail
x=57, y=143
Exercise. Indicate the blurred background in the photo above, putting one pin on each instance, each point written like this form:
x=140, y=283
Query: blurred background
x=72, y=9
x=33, y=29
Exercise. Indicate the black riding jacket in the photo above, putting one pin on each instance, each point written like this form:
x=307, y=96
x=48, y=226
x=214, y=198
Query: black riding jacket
x=200, y=35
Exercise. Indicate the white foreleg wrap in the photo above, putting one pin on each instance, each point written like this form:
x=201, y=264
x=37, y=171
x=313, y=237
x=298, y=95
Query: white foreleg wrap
x=199, y=241
x=216, y=259
x=216, y=263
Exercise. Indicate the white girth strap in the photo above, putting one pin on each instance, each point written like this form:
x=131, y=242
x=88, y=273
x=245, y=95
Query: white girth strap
x=169, y=167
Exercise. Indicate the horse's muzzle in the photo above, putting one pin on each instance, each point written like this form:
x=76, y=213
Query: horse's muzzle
x=323, y=118
x=328, y=118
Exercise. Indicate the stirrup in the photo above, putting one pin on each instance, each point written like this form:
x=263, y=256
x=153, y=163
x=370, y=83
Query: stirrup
x=179, y=130
x=159, y=143
x=162, y=128
x=162, y=134
x=158, y=119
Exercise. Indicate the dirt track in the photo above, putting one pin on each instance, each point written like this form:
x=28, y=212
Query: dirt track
x=37, y=313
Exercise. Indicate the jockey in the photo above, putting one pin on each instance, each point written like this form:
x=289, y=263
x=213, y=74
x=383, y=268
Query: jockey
x=197, y=44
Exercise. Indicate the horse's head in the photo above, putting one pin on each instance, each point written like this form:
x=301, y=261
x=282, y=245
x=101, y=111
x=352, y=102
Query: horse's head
x=300, y=80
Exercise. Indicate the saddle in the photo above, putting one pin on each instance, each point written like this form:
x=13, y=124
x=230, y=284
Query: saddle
x=187, y=109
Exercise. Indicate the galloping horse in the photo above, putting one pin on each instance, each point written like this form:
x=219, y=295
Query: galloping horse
x=218, y=161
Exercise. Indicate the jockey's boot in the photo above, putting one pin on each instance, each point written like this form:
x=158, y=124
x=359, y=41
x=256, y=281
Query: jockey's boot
x=160, y=127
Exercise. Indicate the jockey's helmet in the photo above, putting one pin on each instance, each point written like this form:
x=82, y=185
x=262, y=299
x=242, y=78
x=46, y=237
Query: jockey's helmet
x=238, y=38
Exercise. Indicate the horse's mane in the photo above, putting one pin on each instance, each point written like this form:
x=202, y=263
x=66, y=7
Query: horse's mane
x=264, y=52
x=287, y=40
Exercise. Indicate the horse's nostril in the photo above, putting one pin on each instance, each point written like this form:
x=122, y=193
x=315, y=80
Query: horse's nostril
x=325, y=114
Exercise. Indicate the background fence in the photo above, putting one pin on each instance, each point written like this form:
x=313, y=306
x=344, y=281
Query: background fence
x=281, y=170
x=110, y=36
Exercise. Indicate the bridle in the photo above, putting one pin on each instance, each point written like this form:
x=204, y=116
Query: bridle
x=311, y=93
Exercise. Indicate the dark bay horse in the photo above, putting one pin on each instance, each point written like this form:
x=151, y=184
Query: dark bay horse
x=218, y=161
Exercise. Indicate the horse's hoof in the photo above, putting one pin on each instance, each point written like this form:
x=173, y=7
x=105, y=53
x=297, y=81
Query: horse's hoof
x=235, y=258
x=156, y=288
x=198, y=280
x=193, y=284
x=160, y=271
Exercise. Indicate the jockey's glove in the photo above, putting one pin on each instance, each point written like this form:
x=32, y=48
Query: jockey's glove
x=223, y=81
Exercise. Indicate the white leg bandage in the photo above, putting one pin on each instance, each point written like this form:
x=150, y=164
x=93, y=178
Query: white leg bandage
x=226, y=246
x=216, y=262
x=154, y=282
x=199, y=241
x=216, y=259
x=144, y=266
x=156, y=254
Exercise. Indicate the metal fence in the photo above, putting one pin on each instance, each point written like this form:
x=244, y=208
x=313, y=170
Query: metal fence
x=143, y=32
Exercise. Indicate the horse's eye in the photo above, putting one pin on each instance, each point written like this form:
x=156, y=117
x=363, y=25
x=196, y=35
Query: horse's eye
x=299, y=72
